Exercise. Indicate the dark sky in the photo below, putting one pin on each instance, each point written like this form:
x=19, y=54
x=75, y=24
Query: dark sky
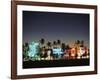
x=68, y=27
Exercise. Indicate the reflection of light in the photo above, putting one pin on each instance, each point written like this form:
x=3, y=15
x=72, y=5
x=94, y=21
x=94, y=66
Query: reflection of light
x=33, y=49
x=57, y=51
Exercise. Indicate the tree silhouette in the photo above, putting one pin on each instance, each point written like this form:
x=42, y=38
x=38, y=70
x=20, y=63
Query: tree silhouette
x=23, y=51
x=54, y=43
x=27, y=46
x=26, y=49
x=67, y=47
x=82, y=43
x=63, y=46
x=78, y=42
x=58, y=42
x=42, y=41
x=49, y=44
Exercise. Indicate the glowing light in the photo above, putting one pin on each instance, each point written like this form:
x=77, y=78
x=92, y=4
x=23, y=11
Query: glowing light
x=33, y=49
x=57, y=51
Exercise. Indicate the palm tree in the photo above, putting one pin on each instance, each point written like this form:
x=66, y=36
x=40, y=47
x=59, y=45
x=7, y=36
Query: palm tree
x=42, y=41
x=23, y=51
x=58, y=43
x=63, y=46
x=26, y=46
x=78, y=42
x=26, y=49
x=49, y=44
x=67, y=47
x=54, y=43
x=82, y=43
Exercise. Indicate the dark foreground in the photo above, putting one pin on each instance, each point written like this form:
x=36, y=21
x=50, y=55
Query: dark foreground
x=55, y=63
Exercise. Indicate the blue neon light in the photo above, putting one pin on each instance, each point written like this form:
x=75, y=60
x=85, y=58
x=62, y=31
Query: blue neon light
x=57, y=51
x=33, y=49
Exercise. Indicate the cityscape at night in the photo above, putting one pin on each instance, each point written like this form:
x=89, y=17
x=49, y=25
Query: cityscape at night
x=54, y=51
x=53, y=39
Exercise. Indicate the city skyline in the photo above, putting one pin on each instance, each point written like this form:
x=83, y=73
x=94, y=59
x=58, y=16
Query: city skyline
x=67, y=27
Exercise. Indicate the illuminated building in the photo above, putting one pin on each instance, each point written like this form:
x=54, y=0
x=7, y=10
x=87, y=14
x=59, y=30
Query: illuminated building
x=66, y=54
x=33, y=49
x=53, y=51
x=49, y=57
x=73, y=52
x=57, y=52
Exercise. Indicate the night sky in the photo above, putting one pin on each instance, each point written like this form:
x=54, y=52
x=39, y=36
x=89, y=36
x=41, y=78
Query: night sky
x=68, y=27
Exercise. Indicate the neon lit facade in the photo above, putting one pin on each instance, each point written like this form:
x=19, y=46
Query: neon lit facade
x=33, y=49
